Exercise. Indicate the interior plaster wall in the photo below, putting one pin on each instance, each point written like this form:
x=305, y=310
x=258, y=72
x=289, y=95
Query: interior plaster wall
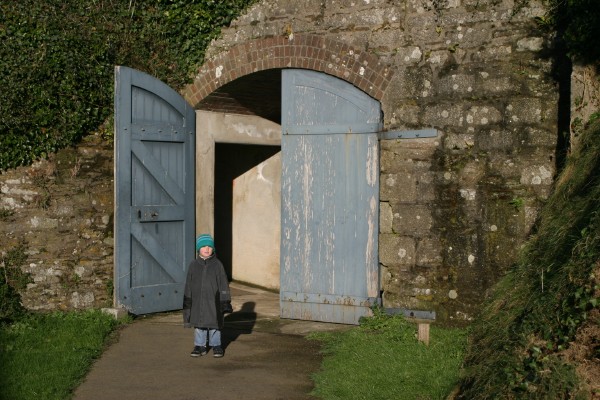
x=257, y=224
x=213, y=128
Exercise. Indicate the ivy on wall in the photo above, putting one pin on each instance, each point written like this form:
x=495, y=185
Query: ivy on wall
x=578, y=24
x=57, y=58
x=57, y=61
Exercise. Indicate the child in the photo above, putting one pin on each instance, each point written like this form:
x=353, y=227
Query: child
x=206, y=297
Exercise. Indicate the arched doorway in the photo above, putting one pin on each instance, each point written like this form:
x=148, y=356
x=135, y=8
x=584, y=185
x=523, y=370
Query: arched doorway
x=329, y=208
x=329, y=212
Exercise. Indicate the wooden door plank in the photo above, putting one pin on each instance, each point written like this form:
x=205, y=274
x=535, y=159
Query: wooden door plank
x=330, y=199
x=154, y=192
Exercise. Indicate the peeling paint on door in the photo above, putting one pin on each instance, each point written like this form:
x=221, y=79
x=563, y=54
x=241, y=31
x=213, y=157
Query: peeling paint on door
x=330, y=189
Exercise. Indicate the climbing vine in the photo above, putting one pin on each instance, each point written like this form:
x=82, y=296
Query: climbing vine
x=577, y=22
x=57, y=59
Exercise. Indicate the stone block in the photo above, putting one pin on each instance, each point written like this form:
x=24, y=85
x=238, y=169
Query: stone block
x=493, y=53
x=444, y=114
x=483, y=115
x=82, y=300
x=467, y=36
x=426, y=188
x=456, y=85
x=412, y=220
x=405, y=114
x=410, y=83
x=506, y=167
x=385, y=217
x=538, y=137
x=43, y=223
x=524, y=111
x=396, y=251
x=408, y=55
x=429, y=252
x=471, y=173
x=407, y=155
x=537, y=175
x=438, y=58
x=493, y=84
x=422, y=28
x=494, y=140
x=530, y=44
x=461, y=141
x=398, y=188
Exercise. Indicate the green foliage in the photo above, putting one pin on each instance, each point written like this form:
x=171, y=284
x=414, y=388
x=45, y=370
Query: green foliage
x=578, y=22
x=57, y=58
x=517, y=203
x=194, y=23
x=53, y=66
x=538, y=307
x=385, y=361
x=57, y=61
x=5, y=214
x=45, y=356
x=12, y=279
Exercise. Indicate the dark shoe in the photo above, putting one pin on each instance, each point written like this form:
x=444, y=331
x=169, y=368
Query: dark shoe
x=218, y=352
x=199, y=351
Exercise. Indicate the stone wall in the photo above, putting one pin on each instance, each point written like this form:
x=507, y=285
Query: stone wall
x=59, y=212
x=454, y=209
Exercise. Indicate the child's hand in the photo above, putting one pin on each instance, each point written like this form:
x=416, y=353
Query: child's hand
x=226, y=307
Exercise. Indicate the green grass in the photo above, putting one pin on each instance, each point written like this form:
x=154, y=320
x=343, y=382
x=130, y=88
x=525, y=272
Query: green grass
x=45, y=356
x=382, y=359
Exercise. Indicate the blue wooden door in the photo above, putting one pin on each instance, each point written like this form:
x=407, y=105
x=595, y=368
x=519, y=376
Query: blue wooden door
x=154, y=192
x=330, y=198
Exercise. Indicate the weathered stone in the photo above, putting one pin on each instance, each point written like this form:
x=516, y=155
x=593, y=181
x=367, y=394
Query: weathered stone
x=43, y=223
x=54, y=229
x=426, y=186
x=471, y=173
x=456, y=84
x=429, y=252
x=385, y=217
x=398, y=188
x=453, y=209
x=397, y=251
x=494, y=140
x=444, y=115
x=412, y=220
x=523, y=110
x=459, y=141
x=82, y=300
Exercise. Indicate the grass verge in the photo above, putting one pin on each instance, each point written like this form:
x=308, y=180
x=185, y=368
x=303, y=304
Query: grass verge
x=382, y=359
x=45, y=356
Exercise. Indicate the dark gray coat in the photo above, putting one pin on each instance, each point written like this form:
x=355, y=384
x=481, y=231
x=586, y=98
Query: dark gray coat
x=206, y=286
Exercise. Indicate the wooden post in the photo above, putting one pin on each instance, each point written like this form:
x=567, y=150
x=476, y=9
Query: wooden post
x=423, y=335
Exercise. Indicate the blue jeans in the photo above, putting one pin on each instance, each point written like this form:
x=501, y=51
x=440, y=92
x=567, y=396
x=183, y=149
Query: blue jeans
x=200, y=336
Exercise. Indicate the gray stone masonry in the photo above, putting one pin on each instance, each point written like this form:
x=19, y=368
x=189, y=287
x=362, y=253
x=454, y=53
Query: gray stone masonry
x=60, y=213
x=454, y=209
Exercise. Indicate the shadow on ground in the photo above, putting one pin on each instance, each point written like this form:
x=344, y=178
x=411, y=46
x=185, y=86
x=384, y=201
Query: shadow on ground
x=265, y=357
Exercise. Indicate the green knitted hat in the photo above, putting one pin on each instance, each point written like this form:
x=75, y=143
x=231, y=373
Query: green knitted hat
x=204, y=240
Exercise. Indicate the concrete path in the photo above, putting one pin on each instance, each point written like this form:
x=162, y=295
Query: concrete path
x=265, y=357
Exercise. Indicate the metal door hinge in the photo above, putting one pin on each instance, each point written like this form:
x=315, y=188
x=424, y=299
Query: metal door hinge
x=417, y=134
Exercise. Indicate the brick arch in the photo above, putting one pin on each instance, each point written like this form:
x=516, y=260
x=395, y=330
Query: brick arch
x=318, y=53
